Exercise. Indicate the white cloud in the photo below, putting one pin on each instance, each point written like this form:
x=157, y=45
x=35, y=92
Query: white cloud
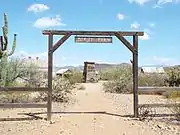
x=64, y=58
x=156, y=6
x=23, y=54
x=165, y=60
x=43, y=57
x=140, y=2
x=120, y=16
x=145, y=36
x=151, y=25
x=162, y=2
x=148, y=31
x=46, y=22
x=38, y=8
x=158, y=60
x=135, y=25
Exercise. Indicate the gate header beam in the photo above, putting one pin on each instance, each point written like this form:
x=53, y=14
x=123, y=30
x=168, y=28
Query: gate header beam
x=98, y=33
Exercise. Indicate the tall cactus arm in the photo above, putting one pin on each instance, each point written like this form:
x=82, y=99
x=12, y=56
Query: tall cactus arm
x=5, y=32
x=1, y=47
x=14, y=46
x=1, y=43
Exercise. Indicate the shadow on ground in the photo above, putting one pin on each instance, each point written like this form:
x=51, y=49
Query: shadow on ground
x=34, y=116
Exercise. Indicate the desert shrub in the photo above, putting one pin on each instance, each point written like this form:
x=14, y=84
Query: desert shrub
x=18, y=69
x=171, y=94
x=173, y=76
x=61, y=93
x=121, y=83
x=152, y=80
x=18, y=97
x=75, y=77
x=175, y=109
x=114, y=73
x=61, y=90
x=117, y=86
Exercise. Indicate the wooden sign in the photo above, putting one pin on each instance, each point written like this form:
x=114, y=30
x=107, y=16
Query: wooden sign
x=79, y=39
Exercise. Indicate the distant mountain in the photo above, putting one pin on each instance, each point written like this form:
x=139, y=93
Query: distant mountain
x=98, y=66
x=103, y=66
x=107, y=66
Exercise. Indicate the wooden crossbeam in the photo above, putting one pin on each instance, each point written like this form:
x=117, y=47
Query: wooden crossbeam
x=60, y=42
x=28, y=89
x=125, y=42
x=158, y=105
x=154, y=89
x=97, y=33
x=22, y=105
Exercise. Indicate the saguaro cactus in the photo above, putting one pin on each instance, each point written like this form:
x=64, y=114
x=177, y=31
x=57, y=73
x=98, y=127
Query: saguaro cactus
x=4, y=53
x=4, y=40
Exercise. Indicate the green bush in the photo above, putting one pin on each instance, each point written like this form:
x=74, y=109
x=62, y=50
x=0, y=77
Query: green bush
x=75, y=77
x=61, y=90
x=61, y=93
x=14, y=97
x=152, y=80
x=114, y=73
x=121, y=81
x=172, y=94
x=173, y=76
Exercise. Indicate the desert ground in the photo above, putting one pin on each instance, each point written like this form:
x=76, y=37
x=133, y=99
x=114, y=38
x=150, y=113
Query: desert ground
x=92, y=112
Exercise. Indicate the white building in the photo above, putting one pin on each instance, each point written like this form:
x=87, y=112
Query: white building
x=149, y=70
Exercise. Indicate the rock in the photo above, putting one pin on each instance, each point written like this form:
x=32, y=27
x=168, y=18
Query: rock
x=159, y=126
x=52, y=122
x=61, y=132
x=169, y=128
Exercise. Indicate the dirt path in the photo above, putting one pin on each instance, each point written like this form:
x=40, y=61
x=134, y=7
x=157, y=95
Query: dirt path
x=92, y=101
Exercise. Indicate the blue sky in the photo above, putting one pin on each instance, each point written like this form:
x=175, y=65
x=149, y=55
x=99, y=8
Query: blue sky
x=159, y=19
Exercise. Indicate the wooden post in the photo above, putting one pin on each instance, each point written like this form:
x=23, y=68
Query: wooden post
x=50, y=66
x=135, y=75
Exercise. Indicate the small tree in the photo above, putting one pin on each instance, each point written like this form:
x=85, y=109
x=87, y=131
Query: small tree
x=173, y=76
x=19, y=68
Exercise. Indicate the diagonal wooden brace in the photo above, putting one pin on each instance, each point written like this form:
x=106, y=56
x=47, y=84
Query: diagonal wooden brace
x=126, y=43
x=60, y=42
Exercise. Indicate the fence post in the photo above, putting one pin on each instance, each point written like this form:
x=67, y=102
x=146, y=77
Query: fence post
x=50, y=66
x=135, y=75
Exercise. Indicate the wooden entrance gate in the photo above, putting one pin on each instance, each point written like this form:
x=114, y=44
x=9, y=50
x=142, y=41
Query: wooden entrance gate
x=119, y=34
